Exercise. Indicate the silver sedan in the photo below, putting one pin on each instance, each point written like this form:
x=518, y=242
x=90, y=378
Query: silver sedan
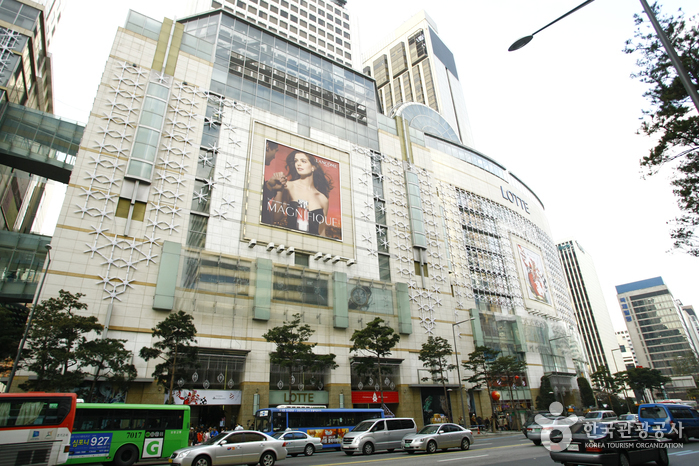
x=298, y=442
x=230, y=448
x=435, y=437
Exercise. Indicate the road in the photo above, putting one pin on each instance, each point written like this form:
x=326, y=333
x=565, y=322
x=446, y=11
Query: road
x=505, y=450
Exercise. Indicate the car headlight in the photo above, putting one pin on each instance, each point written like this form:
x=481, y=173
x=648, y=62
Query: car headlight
x=417, y=441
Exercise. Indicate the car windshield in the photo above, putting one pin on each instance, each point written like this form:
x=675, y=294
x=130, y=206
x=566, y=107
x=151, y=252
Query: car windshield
x=593, y=415
x=429, y=430
x=363, y=426
x=277, y=435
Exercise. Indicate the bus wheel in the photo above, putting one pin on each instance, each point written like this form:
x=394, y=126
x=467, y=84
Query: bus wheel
x=126, y=456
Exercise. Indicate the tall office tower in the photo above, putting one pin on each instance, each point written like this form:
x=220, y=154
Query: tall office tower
x=691, y=322
x=414, y=65
x=53, y=9
x=322, y=26
x=626, y=347
x=178, y=203
x=25, y=79
x=657, y=330
x=591, y=311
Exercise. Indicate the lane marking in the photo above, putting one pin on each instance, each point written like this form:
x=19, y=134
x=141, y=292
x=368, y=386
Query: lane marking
x=479, y=444
x=461, y=458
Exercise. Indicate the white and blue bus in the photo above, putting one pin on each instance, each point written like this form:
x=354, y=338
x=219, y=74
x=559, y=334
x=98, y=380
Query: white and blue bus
x=327, y=424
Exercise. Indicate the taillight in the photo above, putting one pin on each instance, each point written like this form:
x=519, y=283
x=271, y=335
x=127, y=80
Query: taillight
x=66, y=449
x=285, y=444
x=593, y=449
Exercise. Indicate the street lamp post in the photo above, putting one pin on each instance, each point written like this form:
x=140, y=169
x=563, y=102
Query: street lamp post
x=29, y=322
x=458, y=371
x=681, y=72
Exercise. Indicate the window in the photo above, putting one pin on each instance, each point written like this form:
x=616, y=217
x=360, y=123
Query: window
x=301, y=259
x=124, y=209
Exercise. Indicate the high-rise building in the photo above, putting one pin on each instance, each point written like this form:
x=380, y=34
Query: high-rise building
x=591, y=313
x=626, y=347
x=234, y=174
x=53, y=9
x=322, y=26
x=656, y=328
x=414, y=65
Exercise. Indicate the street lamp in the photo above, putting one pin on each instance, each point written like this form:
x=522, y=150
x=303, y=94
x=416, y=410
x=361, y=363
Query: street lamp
x=458, y=371
x=681, y=72
x=29, y=321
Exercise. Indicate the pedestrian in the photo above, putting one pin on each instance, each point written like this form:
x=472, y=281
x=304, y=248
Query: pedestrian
x=238, y=427
x=200, y=436
x=192, y=436
x=487, y=424
x=479, y=421
x=473, y=419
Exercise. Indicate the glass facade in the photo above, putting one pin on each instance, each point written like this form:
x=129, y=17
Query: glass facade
x=271, y=73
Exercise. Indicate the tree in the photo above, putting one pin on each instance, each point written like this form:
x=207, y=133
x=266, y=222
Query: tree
x=509, y=369
x=546, y=395
x=293, y=349
x=606, y=383
x=177, y=335
x=12, y=321
x=434, y=354
x=378, y=340
x=479, y=364
x=56, y=343
x=642, y=378
x=672, y=118
x=586, y=394
x=107, y=357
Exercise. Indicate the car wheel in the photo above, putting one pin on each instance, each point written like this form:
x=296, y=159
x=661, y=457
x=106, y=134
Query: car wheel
x=267, y=459
x=465, y=444
x=309, y=450
x=431, y=447
x=537, y=442
x=685, y=437
x=201, y=461
x=663, y=459
x=624, y=460
x=349, y=453
x=126, y=456
x=368, y=448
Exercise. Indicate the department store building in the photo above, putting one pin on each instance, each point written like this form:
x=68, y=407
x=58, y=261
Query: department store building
x=169, y=208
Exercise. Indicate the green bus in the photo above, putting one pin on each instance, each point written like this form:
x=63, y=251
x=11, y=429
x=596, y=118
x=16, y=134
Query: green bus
x=125, y=433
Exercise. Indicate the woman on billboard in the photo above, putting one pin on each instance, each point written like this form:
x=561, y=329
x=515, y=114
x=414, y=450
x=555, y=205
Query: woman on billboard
x=304, y=195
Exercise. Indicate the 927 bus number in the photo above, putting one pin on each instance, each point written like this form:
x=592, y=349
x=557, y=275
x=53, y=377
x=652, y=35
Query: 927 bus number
x=99, y=441
x=134, y=434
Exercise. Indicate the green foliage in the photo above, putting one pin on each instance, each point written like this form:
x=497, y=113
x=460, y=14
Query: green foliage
x=435, y=354
x=377, y=339
x=672, y=118
x=107, y=357
x=57, y=347
x=640, y=378
x=546, y=395
x=293, y=349
x=12, y=322
x=175, y=349
x=479, y=364
x=586, y=394
x=605, y=382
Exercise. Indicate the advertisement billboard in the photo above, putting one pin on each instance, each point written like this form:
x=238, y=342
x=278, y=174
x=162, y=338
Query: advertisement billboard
x=536, y=283
x=301, y=192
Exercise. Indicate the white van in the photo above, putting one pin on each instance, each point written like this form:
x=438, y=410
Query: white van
x=377, y=434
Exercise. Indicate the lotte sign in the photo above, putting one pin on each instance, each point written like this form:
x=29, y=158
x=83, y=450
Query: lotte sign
x=374, y=397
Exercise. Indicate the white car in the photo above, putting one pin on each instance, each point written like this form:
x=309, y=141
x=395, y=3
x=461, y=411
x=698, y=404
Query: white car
x=230, y=448
x=435, y=437
x=298, y=442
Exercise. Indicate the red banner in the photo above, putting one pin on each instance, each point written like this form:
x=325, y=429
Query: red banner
x=374, y=397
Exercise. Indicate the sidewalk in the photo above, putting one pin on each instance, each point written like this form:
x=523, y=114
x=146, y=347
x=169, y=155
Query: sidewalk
x=484, y=433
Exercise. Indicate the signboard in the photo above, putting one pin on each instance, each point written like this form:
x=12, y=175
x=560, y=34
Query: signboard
x=328, y=436
x=153, y=444
x=281, y=397
x=535, y=278
x=374, y=397
x=301, y=192
x=90, y=445
x=206, y=397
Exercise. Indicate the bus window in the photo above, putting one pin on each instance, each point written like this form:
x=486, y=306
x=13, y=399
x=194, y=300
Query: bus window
x=279, y=423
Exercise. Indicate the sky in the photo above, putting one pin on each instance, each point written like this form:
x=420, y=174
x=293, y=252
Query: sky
x=562, y=113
